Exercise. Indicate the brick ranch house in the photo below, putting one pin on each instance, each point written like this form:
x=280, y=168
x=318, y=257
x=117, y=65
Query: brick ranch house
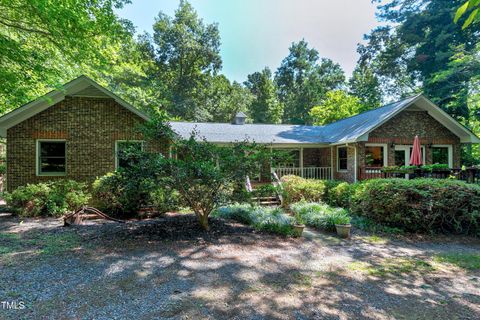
x=76, y=133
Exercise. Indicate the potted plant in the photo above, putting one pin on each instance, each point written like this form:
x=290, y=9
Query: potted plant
x=342, y=224
x=298, y=225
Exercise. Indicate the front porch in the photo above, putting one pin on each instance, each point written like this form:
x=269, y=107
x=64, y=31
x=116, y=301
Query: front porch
x=306, y=162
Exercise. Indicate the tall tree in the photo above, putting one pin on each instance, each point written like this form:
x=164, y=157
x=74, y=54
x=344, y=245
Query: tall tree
x=364, y=85
x=222, y=99
x=43, y=43
x=420, y=47
x=187, y=52
x=265, y=107
x=337, y=105
x=303, y=80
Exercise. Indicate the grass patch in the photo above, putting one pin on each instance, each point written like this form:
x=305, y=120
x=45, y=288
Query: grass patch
x=9, y=243
x=392, y=266
x=40, y=243
x=374, y=239
x=468, y=261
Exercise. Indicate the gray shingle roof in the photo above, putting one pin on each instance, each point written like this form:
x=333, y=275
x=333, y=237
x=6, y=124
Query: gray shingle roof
x=260, y=133
x=351, y=128
x=344, y=130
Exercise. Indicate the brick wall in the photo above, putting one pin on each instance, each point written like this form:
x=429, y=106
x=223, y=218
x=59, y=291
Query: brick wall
x=90, y=127
x=348, y=175
x=401, y=130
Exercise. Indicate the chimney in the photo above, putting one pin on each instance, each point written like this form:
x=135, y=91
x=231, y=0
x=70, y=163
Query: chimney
x=239, y=118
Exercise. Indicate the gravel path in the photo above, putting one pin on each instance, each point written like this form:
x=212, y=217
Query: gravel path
x=167, y=268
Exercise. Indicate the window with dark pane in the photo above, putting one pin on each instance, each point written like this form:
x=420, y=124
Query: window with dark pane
x=440, y=155
x=52, y=157
x=124, y=148
x=342, y=158
x=374, y=156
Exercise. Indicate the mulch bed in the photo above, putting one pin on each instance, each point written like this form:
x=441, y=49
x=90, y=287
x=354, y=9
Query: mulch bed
x=172, y=227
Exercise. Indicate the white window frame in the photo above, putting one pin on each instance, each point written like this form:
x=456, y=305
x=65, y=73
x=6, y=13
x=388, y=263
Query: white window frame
x=406, y=148
x=338, y=159
x=450, y=152
x=116, y=149
x=38, y=172
x=385, y=151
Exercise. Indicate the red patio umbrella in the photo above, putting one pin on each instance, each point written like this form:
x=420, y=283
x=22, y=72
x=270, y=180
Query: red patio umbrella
x=416, y=156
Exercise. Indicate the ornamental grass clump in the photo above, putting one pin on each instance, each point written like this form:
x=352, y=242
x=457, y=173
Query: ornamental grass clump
x=319, y=215
x=273, y=220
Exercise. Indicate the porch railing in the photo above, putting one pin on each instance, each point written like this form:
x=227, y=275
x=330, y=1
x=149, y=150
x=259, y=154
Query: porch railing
x=322, y=173
x=471, y=175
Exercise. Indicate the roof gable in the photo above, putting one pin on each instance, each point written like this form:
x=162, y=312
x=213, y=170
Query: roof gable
x=82, y=86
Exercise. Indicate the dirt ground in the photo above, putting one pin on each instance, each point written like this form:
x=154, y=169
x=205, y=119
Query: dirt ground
x=167, y=268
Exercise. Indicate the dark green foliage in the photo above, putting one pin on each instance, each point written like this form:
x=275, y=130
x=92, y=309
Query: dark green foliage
x=138, y=185
x=53, y=198
x=296, y=189
x=45, y=43
x=338, y=193
x=265, y=107
x=423, y=205
x=266, y=190
x=335, y=193
x=207, y=175
x=303, y=81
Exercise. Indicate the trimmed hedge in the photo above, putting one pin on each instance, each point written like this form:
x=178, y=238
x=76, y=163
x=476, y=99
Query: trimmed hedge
x=53, y=198
x=419, y=205
x=297, y=189
x=273, y=220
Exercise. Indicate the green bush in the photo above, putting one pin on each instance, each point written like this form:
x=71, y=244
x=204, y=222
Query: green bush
x=320, y=215
x=273, y=220
x=338, y=193
x=123, y=194
x=419, y=205
x=335, y=193
x=265, y=190
x=3, y=168
x=53, y=198
x=296, y=189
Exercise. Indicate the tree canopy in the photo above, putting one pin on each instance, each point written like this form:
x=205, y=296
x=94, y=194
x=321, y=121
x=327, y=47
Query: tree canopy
x=428, y=46
x=337, y=105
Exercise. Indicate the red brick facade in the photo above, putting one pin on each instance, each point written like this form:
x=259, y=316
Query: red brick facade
x=90, y=127
x=401, y=130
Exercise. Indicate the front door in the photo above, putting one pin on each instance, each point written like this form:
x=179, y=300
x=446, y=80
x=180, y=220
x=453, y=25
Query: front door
x=403, y=153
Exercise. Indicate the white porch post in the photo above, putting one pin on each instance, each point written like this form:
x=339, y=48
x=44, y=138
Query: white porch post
x=331, y=163
x=301, y=162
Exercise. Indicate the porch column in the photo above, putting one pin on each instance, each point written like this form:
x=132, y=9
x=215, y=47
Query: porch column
x=331, y=163
x=301, y=162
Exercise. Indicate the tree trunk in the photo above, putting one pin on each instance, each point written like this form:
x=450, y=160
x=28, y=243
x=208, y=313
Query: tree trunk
x=203, y=219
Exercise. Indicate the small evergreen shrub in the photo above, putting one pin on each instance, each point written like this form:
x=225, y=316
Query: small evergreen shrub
x=419, y=205
x=338, y=193
x=296, y=189
x=123, y=194
x=53, y=198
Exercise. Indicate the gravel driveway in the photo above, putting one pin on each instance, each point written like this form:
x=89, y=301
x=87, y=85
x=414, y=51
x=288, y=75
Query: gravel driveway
x=167, y=268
